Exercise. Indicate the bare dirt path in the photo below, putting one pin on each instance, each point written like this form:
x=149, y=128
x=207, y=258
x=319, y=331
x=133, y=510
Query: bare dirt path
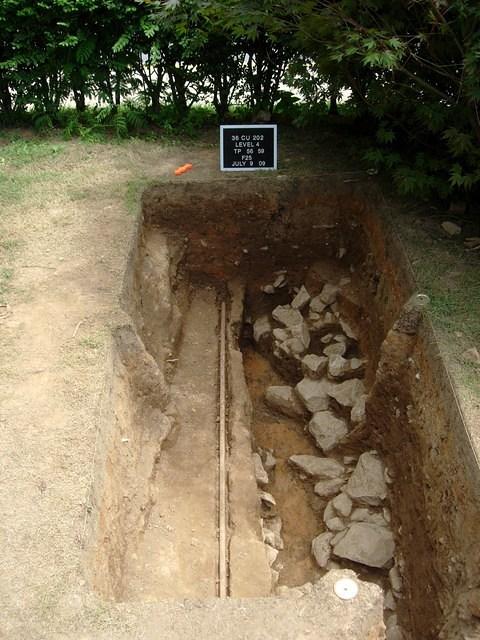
x=178, y=554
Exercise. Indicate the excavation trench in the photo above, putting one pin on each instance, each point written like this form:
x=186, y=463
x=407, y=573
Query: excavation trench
x=255, y=246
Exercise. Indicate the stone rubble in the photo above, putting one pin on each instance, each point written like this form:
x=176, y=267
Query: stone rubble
x=314, y=366
x=261, y=476
x=327, y=429
x=301, y=299
x=284, y=400
x=313, y=394
x=317, y=467
x=367, y=483
x=312, y=336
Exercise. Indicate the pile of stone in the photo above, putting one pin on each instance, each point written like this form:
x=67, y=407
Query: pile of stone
x=356, y=516
x=264, y=463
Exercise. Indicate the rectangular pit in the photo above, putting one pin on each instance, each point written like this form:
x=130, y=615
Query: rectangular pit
x=202, y=242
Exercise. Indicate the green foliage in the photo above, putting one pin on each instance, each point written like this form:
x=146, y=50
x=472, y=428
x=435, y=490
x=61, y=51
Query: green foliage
x=412, y=71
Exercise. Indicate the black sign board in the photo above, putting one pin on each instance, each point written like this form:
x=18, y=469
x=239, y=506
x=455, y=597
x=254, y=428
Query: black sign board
x=248, y=147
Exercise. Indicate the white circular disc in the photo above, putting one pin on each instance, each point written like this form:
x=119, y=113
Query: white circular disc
x=345, y=588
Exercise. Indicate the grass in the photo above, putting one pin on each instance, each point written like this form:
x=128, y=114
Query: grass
x=5, y=277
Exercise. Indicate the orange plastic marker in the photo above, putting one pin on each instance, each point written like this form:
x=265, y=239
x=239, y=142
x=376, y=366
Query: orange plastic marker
x=183, y=169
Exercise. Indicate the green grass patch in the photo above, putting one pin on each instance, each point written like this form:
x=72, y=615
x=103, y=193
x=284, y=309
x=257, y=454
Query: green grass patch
x=19, y=153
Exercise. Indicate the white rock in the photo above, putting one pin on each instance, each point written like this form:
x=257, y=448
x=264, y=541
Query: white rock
x=350, y=459
x=262, y=327
x=317, y=305
x=327, y=429
x=287, y=316
x=329, y=512
x=271, y=533
x=267, y=499
x=389, y=601
x=342, y=505
x=313, y=393
x=328, y=322
x=394, y=632
x=317, y=467
x=336, y=349
x=327, y=488
x=293, y=346
x=367, y=544
x=361, y=514
x=301, y=299
x=261, y=475
x=347, y=393
x=340, y=338
x=327, y=338
x=269, y=461
x=268, y=289
x=271, y=554
x=328, y=294
x=367, y=483
x=338, y=366
x=314, y=366
x=357, y=413
x=280, y=281
x=301, y=332
x=321, y=548
x=344, y=281
x=284, y=400
x=395, y=579
x=335, y=524
x=451, y=228
x=348, y=331
x=338, y=536
x=281, y=334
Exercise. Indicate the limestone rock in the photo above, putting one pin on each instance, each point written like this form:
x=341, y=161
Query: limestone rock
x=268, y=289
x=267, y=499
x=280, y=281
x=281, y=334
x=367, y=544
x=338, y=366
x=314, y=366
x=327, y=488
x=342, y=505
x=328, y=294
x=262, y=328
x=261, y=475
x=361, y=514
x=347, y=393
x=313, y=394
x=451, y=228
x=336, y=349
x=335, y=524
x=395, y=579
x=317, y=467
x=321, y=548
x=317, y=305
x=325, y=324
x=269, y=461
x=284, y=400
x=327, y=429
x=367, y=483
x=301, y=332
x=271, y=554
x=357, y=413
x=301, y=299
x=272, y=528
x=287, y=316
x=348, y=331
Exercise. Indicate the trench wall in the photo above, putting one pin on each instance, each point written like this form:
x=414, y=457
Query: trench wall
x=415, y=419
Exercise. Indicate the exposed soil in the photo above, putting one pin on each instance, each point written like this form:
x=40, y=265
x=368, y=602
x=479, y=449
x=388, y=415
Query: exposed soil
x=58, y=399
